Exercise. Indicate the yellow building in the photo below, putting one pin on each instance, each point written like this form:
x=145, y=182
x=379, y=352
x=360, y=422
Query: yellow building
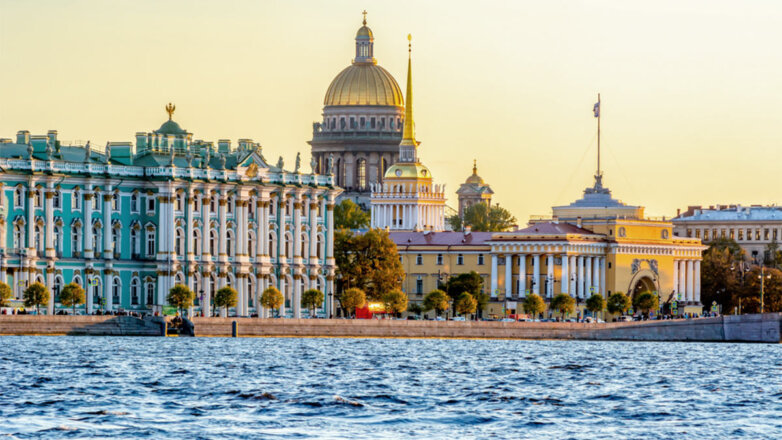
x=597, y=245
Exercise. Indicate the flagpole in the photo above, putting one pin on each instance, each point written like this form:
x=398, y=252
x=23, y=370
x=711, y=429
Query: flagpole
x=599, y=113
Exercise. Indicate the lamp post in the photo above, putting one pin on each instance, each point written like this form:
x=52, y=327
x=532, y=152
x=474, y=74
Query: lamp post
x=762, y=277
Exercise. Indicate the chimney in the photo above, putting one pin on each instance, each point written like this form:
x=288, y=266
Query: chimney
x=467, y=230
x=555, y=220
x=578, y=221
x=678, y=212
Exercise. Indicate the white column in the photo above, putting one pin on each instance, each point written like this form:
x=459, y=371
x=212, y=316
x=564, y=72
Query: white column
x=580, y=280
x=603, y=282
x=565, y=274
x=108, y=249
x=330, y=231
x=297, y=229
x=550, y=275
x=221, y=216
x=107, y=290
x=88, y=290
x=205, y=203
x=313, y=232
x=508, y=275
x=49, y=231
x=588, y=277
x=189, y=251
x=297, y=296
x=690, y=282
x=573, y=275
x=596, y=275
x=207, y=286
x=89, y=246
x=494, y=276
x=31, y=219
x=676, y=278
x=536, y=274
x=697, y=276
x=49, y=284
x=682, y=290
x=523, y=275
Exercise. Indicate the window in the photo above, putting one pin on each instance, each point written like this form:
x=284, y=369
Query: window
x=439, y=259
x=623, y=233
x=115, y=240
x=706, y=235
x=213, y=205
x=95, y=204
x=57, y=237
x=419, y=285
x=56, y=200
x=730, y=234
x=150, y=204
x=460, y=259
x=196, y=241
x=38, y=198
x=96, y=244
x=19, y=237
x=372, y=122
x=115, y=201
x=229, y=243
x=75, y=240
x=150, y=243
x=134, y=291
x=213, y=242
x=150, y=294
x=197, y=203
x=229, y=205
x=697, y=233
x=76, y=199
x=39, y=242
x=749, y=234
x=179, y=242
x=741, y=235
x=18, y=198
x=134, y=202
x=765, y=234
x=480, y=260
x=419, y=259
x=271, y=243
x=757, y=234
x=115, y=290
x=251, y=243
x=361, y=173
x=57, y=288
x=134, y=243
x=180, y=202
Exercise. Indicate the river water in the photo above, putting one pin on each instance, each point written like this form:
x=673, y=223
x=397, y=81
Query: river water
x=172, y=388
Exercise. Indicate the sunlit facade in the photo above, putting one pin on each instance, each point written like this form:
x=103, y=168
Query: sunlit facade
x=129, y=222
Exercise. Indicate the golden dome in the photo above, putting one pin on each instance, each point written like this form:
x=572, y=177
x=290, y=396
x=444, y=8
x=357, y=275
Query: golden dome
x=474, y=178
x=407, y=170
x=364, y=84
x=364, y=32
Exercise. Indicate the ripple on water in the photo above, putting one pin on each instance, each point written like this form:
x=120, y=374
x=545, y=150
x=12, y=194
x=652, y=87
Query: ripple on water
x=386, y=388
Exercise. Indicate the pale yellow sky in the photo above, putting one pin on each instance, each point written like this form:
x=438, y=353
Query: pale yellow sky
x=692, y=90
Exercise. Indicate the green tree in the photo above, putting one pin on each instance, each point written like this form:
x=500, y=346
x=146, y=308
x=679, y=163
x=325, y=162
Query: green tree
x=436, y=300
x=36, y=295
x=455, y=222
x=564, y=303
x=5, y=294
x=750, y=293
x=465, y=304
x=481, y=217
x=395, y=301
x=618, y=302
x=534, y=305
x=415, y=309
x=595, y=304
x=646, y=302
x=272, y=299
x=352, y=299
x=181, y=297
x=368, y=261
x=348, y=215
x=226, y=298
x=721, y=276
x=471, y=283
x=312, y=299
x=72, y=295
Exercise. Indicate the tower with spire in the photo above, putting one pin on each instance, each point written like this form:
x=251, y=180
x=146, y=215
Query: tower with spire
x=408, y=199
x=473, y=190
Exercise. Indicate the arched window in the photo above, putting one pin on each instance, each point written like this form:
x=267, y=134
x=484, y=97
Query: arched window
x=180, y=201
x=229, y=243
x=75, y=240
x=38, y=198
x=361, y=173
x=179, y=278
x=251, y=247
x=95, y=288
x=135, y=245
x=213, y=242
x=77, y=279
x=57, y=237
x=19, y=198
x=150, y=294
x=305, y=244
x=134, y=202
x=76, y=199
x=96, y=243
x=57, y=288
x=150, y=242
x=134, y=291
x=115, y=201
x=251, y=291
x=272, y=249
x=251, y=208
x=196, y=241
x=197, y=203
x=115, y=240
x=115, y=292
x=56, y=200
x=273, y=207
x=229, y=205
x=39, y=242
x=319, y=245
x=213, y=204
x=179, y=242
x=288, y=245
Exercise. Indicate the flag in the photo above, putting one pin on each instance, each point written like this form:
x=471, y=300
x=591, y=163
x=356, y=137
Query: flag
x=596, y=109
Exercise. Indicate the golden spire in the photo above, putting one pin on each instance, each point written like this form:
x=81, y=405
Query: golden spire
x=365, y=17
x=170, y=110
x=474, y=167
x=408, y=136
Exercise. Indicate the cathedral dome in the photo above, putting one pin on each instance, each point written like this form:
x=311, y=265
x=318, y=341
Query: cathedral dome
x=474, y=177
x=170, y=127
x=364, y=32
x=364, y=84
x=408, y=170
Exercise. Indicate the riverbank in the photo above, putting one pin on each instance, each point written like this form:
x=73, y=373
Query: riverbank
x=744, y=328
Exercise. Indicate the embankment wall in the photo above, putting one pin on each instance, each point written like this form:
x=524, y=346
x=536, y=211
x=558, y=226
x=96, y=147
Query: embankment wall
x=87, y=325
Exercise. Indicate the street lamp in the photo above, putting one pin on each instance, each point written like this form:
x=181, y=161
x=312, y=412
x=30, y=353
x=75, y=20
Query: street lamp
x=762, y=277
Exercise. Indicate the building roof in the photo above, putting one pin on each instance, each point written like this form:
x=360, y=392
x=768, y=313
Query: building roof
x=551, y=228
x=732, y=213
x=446, y=238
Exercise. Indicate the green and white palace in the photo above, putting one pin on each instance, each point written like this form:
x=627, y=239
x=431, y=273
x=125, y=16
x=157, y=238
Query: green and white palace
x=129, y=222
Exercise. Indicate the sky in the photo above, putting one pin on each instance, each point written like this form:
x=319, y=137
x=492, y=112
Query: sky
x=691, y=90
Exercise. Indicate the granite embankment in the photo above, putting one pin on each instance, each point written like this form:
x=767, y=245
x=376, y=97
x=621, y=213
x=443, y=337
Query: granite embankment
x=744, y=328
x=80, y=325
